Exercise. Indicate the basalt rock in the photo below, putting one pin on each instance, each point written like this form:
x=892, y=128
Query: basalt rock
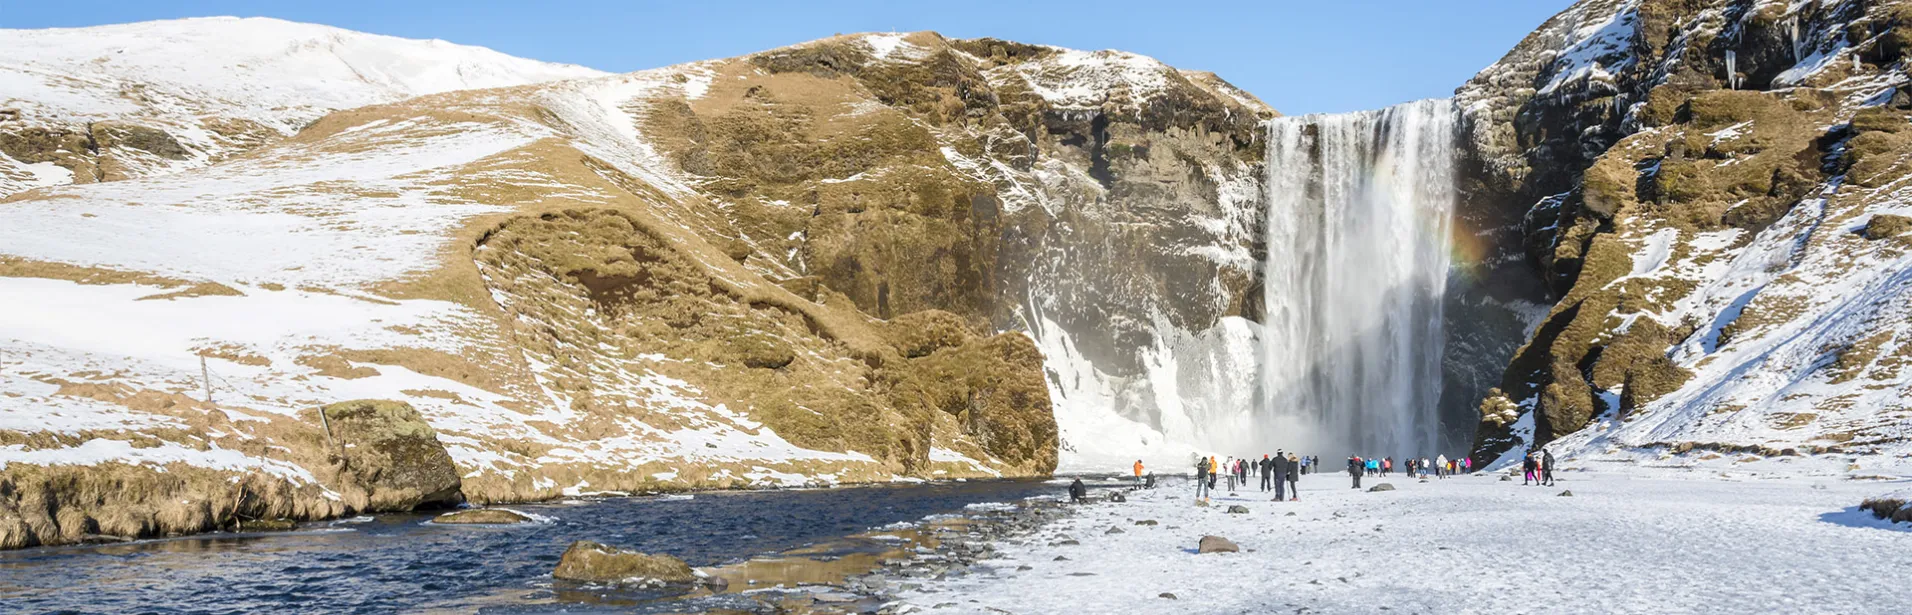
x=594, y=562
x=1216, y=544
x=387, y=457
x=482, y=516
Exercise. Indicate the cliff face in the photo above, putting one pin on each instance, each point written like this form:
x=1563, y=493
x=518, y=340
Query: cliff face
x=806, y=266
x=1698, y=179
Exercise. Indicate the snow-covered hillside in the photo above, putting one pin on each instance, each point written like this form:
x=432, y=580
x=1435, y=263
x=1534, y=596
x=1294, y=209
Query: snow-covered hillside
x=1719, y=198
x=74, y=101
x=601, y=284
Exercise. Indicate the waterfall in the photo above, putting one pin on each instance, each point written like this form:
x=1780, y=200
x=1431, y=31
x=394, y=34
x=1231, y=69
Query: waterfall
x=1358, y=209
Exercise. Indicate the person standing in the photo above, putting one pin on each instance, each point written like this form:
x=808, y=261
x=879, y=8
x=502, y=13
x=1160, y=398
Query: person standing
x=1546, y=466
x=1201, y=478
x=1440, y=466
x=1279, y=466
x=1355, y=468
x=1527, y=471
x=1294, y=470
x=1267, y=469
x=1138, y=470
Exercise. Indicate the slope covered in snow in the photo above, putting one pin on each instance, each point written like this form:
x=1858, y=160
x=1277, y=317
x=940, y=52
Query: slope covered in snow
x=131, y=100
x=1721, y=212
x=707, y=275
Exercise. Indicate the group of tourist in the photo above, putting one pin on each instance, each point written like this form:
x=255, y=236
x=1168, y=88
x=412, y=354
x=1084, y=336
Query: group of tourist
x=1279, y=472
x=1537, y=468
x=1440, y=467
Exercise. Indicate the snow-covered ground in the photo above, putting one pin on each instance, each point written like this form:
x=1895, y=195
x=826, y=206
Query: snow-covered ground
x=1637, y=541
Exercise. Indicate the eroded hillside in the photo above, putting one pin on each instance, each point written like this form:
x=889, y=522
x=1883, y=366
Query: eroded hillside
x=783, y=269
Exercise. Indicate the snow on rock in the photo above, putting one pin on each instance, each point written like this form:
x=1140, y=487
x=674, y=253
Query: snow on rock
x=217, y=85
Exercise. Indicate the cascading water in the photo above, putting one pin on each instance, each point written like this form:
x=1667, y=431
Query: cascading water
x=1358, y=229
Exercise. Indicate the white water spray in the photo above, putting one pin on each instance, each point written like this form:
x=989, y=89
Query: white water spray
x=1358, y=232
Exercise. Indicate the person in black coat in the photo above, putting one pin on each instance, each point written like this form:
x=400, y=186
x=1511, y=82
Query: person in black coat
x=1078, y=492
x=1355, y=467
x=1267, y=467
x=1280, y=467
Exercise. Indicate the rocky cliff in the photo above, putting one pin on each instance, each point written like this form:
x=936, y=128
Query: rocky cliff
x=811, y=265
x=1711, y=192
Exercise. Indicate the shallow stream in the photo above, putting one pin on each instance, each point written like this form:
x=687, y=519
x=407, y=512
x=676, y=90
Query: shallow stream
x=403, y=563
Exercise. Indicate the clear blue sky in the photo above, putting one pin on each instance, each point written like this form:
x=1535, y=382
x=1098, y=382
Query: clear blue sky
x=1300, y=56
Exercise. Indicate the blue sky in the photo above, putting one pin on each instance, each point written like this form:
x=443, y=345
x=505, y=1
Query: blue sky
x=1301, y=57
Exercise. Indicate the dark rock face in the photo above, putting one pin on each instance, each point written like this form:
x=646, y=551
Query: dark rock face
x=385, y=450
x=1613, y=117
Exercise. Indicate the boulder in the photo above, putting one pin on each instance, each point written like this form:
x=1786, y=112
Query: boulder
x=384, y=453
x=1237, y=509
x=590, y=561
x=1216, y=544
x=1115, y=530
x=482, y=516
x=1146, y=522
x=1381, y=487
x=1118, y=497
x=1166, y=595
x=1565, y=494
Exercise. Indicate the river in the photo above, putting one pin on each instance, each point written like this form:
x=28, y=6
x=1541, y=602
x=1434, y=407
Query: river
x=403, y=563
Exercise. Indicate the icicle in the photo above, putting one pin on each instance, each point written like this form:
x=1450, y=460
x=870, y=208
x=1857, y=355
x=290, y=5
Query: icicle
x=1792, y=36
x=1732, y=70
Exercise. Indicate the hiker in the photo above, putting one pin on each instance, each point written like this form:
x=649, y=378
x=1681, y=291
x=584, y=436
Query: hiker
x=1214, y=471
x=1294, y=469
x=1527, y=468
x=1387, y=465
x=1138, y=470
x=1202, y=483
x=1546, y=466
x=1440, y=466
x=1279, y=465
x=1267, y=468
x=1078, y=492
x=1354, y=469
x=1148, y=482
x=1304, y=465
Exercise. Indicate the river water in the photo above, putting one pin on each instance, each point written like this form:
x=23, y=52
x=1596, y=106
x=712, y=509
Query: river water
x=402, y=563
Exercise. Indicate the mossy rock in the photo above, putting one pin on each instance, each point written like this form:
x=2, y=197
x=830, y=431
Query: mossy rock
x=482, y=516
x=1882, y=226
x=1718, y=109
x=758, y=351
x=386, y=449
x=918, y=334
x=593, y=562
x=1879, y=119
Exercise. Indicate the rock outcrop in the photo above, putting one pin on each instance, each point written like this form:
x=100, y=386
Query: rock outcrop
x=1682, y=169
x=593, y=562
x=386, y=457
